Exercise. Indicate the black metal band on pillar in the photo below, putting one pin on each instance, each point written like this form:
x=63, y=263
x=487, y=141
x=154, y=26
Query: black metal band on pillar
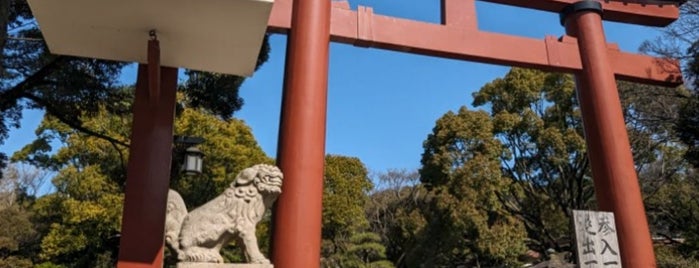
x=578, y=7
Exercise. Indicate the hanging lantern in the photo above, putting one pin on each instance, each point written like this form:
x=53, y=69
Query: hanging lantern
x=193, y=160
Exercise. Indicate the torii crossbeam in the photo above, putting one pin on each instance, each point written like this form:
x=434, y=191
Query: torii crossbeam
x=312, y=24
x=458, y=37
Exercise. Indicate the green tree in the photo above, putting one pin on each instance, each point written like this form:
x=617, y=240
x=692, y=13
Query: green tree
x=530, y=150
x=68, y=87
x=672, y=204
x=89, y=112
x=229, y=147
x=680, y=40
x=366, y=250
x=80, y=221
x=667, y=178
x=395, y=214
x=467, y=222
x=82, y=218
x=688, y=127
x=17, y=235
x=346, y=239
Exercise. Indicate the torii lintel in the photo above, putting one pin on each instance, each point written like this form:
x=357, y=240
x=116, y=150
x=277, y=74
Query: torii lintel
x=459, y=38
x=615, y=10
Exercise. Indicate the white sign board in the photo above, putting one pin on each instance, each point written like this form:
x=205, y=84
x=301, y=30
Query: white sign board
x=596, y=239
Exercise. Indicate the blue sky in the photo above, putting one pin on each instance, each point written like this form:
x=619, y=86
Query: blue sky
x=383, y=104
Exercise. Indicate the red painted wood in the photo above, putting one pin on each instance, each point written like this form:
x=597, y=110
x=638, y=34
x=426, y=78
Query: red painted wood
x=154, y=70
x=297, y=229
x=148, y=173
x=619, y=11
x=301, y=151
x=459, y=13
x=457, y=41
x=616, y=185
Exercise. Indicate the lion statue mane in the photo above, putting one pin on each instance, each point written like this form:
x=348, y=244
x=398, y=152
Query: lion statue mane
x=198, y=236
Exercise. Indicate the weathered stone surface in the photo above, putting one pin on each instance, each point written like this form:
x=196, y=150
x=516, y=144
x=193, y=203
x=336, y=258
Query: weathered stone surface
x=198, y=236
x=221, y=265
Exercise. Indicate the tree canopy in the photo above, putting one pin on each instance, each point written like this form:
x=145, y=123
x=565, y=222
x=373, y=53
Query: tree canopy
x=347, y=240
x=79, y=223
x=496, y=185
x=680, y=40
x=68, y=87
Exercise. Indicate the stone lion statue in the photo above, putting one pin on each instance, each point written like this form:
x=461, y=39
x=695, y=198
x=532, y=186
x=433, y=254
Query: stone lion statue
x=198, y=236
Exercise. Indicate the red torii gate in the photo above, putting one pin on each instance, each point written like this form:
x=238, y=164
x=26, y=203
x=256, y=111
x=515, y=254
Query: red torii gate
x=312, y=24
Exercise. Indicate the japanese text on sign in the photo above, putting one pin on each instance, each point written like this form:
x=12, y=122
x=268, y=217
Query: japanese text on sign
x=596, y=240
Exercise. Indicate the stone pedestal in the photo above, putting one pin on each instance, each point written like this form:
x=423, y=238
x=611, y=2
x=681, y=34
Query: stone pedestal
x=221, y=265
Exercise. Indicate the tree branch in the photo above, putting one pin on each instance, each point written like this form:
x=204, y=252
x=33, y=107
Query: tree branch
x=16, y=91
x=20, y=91
x=25, y=39
x=4, y=17
x=75, y=125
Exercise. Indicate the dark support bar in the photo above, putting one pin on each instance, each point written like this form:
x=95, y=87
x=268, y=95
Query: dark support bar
x=148, y=172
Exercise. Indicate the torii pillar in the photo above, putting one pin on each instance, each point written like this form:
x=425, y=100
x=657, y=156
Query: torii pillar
x=595, y=63
x=616, y=183
x=301, y=147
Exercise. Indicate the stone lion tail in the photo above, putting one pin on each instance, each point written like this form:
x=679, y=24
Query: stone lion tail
x=176, y=212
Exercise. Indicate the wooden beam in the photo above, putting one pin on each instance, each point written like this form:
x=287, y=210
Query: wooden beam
x=459, y=13
x=364, y=28
x=619, y=11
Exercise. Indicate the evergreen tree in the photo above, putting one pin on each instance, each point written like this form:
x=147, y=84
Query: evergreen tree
x=524, y=162
x=68, y=87
x=347, y=242
x=80, y=222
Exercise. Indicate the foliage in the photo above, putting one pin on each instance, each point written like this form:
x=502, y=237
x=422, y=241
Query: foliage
x=667, y=178
x=83, y=217
x=394, y=213
x=344, y=195
x=69, y=87
x=668, y=257
x=218, y=93
x=535, y=116
x=17, y=235
x=346, y=239
x=467, y=223
x=673, y=212
x=80, y=221
x=21, y=183
x=688, y=128
x=492, y=183
x=524, y=162
x=680, y=40
x=671, y=201
x=651, y=114
x=366, y=250
x=229, y=147
x=525, y=157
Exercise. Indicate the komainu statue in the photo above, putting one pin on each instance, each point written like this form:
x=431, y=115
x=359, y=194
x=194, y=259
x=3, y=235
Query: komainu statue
x=198, y=236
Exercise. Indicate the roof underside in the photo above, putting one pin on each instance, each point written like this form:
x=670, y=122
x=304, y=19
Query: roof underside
x=211, y=35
